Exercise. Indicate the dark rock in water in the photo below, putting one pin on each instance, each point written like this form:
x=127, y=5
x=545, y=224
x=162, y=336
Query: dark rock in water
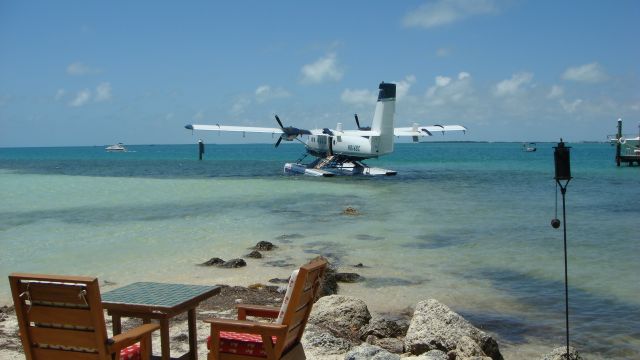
x=264, y=246
x=279, y=281
x=254, y=255
x=560, y=353
x=348, y=277
x=329, y=283
x=234, y=263
x=213, y=262
x=358, y=265
x=350, y=211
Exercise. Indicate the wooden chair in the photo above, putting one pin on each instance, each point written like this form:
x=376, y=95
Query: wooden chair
x=61, y=317
x=248, y=340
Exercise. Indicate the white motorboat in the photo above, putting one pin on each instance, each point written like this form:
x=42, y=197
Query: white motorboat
x=119, y=147
x=529, y=147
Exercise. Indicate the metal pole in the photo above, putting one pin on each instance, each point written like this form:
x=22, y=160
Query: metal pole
x=563, y=190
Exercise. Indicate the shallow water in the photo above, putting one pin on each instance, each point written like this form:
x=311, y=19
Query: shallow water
x=465, y=223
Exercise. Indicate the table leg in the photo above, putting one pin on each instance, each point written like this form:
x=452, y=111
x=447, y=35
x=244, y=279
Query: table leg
x=193, y=336
x=149, y=342
x=116, y=323
x=164, y=339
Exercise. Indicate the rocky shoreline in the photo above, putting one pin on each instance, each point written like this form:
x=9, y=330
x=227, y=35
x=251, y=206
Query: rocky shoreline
x=340, y=327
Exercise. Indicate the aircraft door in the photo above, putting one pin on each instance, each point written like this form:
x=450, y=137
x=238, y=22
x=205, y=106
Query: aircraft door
x=330, y=139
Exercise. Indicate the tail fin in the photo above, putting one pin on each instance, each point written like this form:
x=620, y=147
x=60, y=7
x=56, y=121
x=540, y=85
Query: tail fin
x=383, y=117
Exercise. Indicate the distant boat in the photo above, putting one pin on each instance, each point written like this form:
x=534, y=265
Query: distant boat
x=119, y=147
x=529, y=147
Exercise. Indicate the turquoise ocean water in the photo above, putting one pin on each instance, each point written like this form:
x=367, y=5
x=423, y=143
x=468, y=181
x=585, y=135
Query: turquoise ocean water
x=466, y=223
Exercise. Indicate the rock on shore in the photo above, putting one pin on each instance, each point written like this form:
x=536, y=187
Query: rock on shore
x=343, y=316
x=560, y=353
x=436, y=327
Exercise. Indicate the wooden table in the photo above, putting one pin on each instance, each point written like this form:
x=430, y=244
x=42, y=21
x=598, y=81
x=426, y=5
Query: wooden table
x=160, y=301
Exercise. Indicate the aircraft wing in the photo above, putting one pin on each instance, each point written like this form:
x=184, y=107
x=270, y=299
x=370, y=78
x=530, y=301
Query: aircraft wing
x=354, y=133
x=417, y=130
x=254, y=129
x=235, y=128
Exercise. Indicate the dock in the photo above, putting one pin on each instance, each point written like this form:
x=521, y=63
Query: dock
x=627, y=147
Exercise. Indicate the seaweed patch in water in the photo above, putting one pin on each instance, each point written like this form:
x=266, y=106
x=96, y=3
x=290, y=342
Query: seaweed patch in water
x=436, y=241
x=378, y=282
x=369, y=237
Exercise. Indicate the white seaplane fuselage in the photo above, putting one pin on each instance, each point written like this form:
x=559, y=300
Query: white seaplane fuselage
x=341, y=152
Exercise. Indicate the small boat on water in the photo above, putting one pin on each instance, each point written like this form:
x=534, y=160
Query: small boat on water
x=529, y=147
x=119, y=147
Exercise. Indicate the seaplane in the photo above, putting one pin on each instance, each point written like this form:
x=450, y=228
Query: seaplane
x=342, y=152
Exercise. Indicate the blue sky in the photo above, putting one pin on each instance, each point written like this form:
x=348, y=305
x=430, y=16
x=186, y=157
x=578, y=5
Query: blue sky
x=95, y=73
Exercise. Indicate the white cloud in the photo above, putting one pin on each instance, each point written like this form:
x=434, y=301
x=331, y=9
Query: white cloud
x=239, y=106
x=443, y=52
x=590, y=73
x=81, y=98
x=60, y=94
x=199, y=115
x=266, y=93
x=570, y=106
x=403, y=86
x=448, y=90
x=443, y=12
x=103, y=92
x=78, y=68
x=555, y=92
x=368, y=97
x=513, y=85
x=358, y=97
x=323, y=69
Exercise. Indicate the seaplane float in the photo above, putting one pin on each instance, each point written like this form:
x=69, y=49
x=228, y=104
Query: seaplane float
x=342, y=152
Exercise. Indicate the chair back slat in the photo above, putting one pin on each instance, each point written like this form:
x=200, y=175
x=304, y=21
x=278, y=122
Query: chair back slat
x=68, y=338
x=59, y=317
x=63, y=316
x=305, y=291
x=54, y=292
x=51, y=354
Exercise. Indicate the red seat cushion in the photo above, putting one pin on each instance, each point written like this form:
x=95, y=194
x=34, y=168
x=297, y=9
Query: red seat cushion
x=130, y=353
x=241, y=343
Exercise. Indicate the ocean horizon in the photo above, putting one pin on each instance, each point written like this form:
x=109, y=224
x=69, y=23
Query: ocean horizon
x=467, y=223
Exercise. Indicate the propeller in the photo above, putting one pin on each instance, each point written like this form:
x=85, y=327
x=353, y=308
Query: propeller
x=289, y=133
x=366, y=128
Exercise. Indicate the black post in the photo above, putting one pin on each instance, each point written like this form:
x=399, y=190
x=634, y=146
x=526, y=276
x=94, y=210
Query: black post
x=200, y=149
x=563, y=173
x=618, y=146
